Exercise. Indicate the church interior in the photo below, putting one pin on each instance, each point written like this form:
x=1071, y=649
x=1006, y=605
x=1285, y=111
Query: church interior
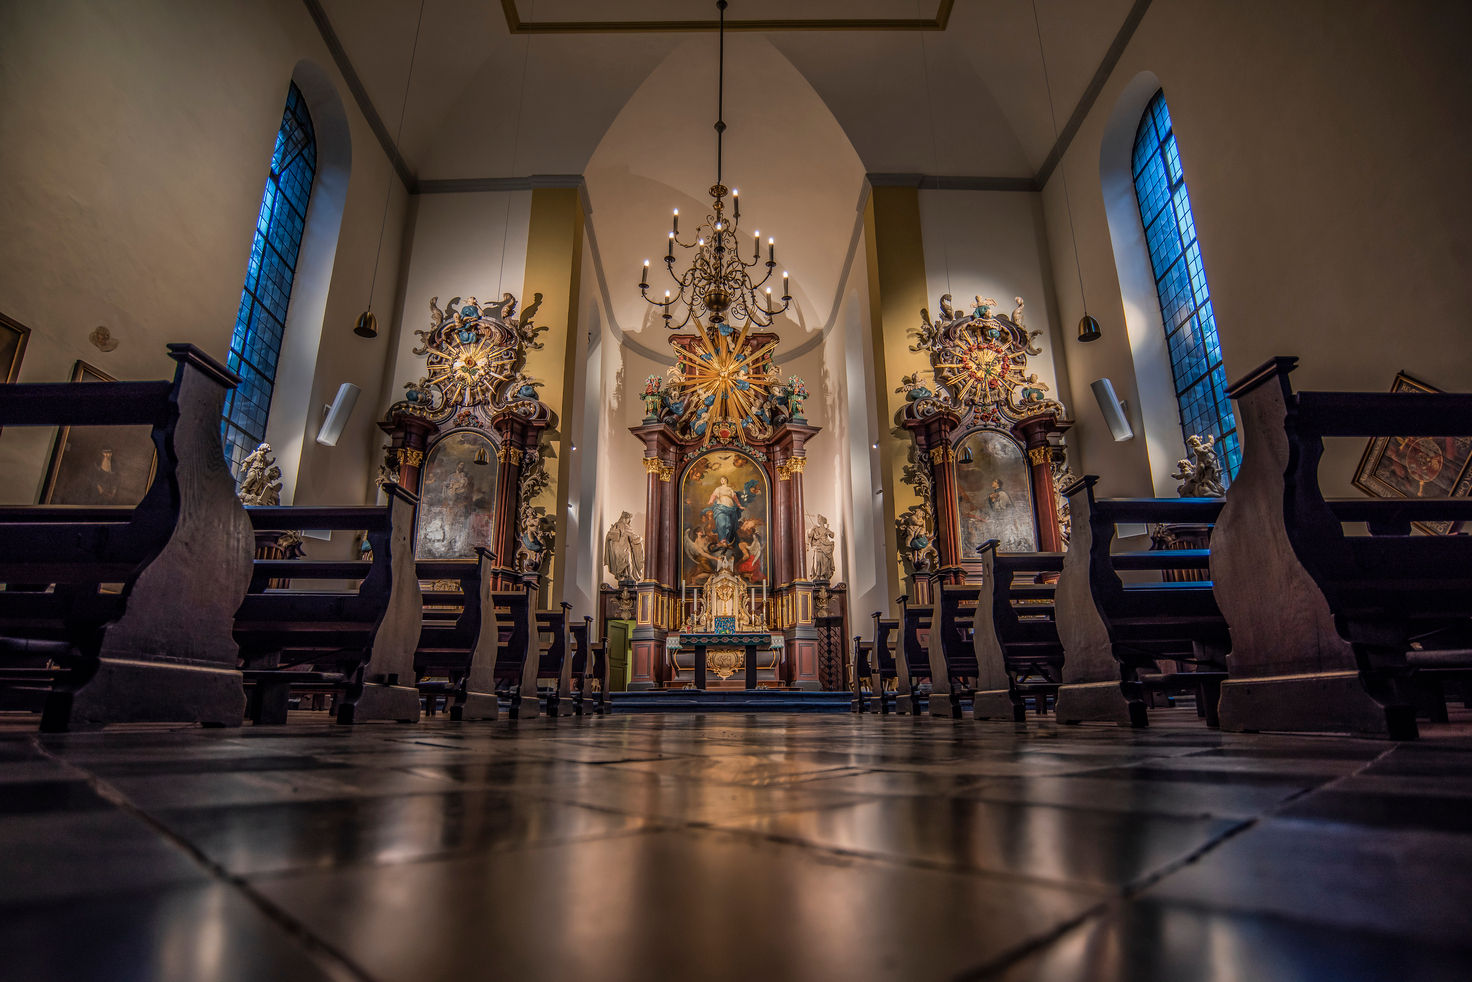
x=730, y=488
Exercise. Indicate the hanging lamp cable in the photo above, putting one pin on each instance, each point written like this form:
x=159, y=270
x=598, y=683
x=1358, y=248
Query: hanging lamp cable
x=1062, y=170
x=398, y=136
x=526, y=54
x=934, y=149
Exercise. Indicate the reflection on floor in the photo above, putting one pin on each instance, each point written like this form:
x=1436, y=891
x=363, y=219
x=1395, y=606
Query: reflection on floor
x=734, y=847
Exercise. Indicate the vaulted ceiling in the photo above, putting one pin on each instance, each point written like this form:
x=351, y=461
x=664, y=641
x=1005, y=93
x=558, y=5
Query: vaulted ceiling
x=522, y=87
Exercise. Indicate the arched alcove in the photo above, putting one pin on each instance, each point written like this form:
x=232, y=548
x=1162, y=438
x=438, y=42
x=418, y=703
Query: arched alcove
x=1159, y=412
x=292, y=418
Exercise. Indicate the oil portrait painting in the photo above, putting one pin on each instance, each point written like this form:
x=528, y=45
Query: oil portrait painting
x=1416, y=466
x=99, y=465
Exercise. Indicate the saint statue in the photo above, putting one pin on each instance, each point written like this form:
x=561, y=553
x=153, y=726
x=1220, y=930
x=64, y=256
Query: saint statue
x=259, y=484
x=820, y=550
x=623, y=550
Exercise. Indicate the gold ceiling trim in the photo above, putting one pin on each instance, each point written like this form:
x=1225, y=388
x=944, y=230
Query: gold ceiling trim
x=516, y=25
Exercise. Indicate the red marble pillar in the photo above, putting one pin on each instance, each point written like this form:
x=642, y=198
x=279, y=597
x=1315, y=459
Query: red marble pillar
x=1033, y=432
x=409, y=435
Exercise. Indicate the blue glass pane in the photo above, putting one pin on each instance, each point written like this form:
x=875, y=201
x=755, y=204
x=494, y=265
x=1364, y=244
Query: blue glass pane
x=255, y=341
x=1180, y=279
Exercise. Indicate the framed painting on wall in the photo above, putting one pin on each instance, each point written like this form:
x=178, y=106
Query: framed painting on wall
x=994, y=494
x=457, y=495
x=1416, y=466
x=99, y=465
x=13, y=337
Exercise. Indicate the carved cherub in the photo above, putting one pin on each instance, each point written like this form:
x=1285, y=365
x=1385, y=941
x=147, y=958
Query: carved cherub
x=1201, y=476
x=926, y=334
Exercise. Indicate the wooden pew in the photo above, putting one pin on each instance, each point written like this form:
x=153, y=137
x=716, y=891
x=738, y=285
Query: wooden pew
x=590, y=664
x=912, y=661
x=1323, y=620
x=1114, y=633
x=1015, y=634
x=951, y=651
x=555, y=658
x=160, y=650
x=462, y=645
x=361, y=640
x=874, y=663
x=534, y=645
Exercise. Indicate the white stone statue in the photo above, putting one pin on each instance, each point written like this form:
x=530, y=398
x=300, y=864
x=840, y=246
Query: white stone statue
x=1201, y=476
x=623, y=550
x=259, y=484
x=820, y=550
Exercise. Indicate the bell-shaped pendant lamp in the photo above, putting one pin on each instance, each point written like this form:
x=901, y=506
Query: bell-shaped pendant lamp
x=1088, y=329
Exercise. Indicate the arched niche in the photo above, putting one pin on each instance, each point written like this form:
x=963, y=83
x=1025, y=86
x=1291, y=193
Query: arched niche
x=994, y=497
x=457, y=495
x=725, y=512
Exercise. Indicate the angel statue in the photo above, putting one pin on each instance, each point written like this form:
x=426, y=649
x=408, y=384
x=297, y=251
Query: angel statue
x=820, y=550
x=1201, y=476
x=623, y=550
x=259, y=484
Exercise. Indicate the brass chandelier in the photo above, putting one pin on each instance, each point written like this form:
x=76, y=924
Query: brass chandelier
x=719, y=287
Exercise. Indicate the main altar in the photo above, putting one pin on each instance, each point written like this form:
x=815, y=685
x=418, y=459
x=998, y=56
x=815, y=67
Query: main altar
x=725, y=441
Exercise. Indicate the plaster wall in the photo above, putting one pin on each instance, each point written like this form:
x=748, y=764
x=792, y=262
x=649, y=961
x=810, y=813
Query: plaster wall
x=133, y=150
x=1323, y=144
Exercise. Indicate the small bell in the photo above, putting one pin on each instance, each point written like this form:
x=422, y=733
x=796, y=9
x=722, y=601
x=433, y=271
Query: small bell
x=1088, y=329
x=367, y=326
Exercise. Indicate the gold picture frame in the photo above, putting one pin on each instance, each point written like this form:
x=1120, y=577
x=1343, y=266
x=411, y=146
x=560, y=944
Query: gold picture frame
x=99, y=465
x=1416, y=467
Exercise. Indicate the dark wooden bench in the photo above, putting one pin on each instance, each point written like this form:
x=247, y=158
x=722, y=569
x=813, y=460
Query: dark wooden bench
x=1113, y=633
x=158, y=648
x=359, y=640
x=460, y=637
x=1015, y=634
x=1331, y=628
x=950, y=649
x=590, y=665
x=874, y=664
x=533, y=645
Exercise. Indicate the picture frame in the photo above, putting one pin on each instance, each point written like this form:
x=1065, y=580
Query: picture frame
x=1416, y=467
x=13, y=338
x=99, y=465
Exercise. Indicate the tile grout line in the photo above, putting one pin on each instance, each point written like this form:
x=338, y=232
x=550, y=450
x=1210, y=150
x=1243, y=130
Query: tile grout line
x=1135, y=888
x=313, y=945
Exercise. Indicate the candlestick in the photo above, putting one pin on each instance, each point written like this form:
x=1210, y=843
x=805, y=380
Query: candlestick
x=675, y=229
x=736, y=203
x=671, y=253
x=644, y=276
x=786, y=291
x=772, y=250
x=756, y=249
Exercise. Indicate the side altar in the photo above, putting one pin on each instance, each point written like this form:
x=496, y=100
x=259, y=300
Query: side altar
x=724, y=456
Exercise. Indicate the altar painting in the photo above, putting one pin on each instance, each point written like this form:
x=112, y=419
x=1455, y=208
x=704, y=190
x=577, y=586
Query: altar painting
x=995, y=494
x=724, y=512
x=456, y=497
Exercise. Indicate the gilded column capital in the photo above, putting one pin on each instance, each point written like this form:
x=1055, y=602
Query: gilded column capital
x=1039, y=455
x=410, y=457
x=506, y=453
x=791, y=466
x=942, y=454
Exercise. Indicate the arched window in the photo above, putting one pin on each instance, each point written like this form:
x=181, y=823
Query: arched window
x=255, y=344
x=1180, y=280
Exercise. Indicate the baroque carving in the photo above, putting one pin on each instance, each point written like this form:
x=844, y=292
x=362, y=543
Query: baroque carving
x=410, y=457
x=978, y=360
x=535, y=528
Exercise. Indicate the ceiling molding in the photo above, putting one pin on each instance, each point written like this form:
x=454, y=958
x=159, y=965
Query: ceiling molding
x=1091, y=94
x=516, y=25
x=359, y=93
x=933, y=182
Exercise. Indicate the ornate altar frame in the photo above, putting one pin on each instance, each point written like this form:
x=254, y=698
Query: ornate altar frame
x=475, y=380
x=977, y=372
x=725, y=392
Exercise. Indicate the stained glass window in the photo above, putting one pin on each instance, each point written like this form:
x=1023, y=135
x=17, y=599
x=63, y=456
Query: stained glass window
x=1180, y=280
x=255, y=344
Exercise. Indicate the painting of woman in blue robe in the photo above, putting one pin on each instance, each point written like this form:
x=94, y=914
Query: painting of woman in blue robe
x=723, y=514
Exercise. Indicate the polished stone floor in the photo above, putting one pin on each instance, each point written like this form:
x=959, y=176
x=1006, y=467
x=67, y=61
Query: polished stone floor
x=733, y=847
